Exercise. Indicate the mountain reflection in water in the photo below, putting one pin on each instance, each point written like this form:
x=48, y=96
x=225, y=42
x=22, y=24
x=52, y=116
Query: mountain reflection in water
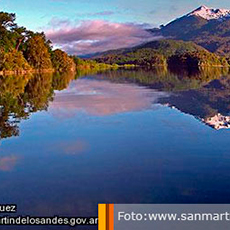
x=69, y=142
x=202, y=93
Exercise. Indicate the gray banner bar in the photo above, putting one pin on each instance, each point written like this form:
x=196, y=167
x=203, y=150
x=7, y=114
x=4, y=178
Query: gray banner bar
x=168, y=217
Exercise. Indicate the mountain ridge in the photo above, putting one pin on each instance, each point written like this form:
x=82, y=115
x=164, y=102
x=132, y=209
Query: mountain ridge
x=162, y=53
x=212, y=34
x=210, y=13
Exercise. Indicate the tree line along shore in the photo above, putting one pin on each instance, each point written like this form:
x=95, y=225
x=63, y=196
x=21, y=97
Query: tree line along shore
x=164, y=52
x=23, y=51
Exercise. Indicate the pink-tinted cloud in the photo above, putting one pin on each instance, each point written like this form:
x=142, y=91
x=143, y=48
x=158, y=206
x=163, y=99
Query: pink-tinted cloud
x=74, y=147
x=8, y=163
x=102, y=98
x=96, y=36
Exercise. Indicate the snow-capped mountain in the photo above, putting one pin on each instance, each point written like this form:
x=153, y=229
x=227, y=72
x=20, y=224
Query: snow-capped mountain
x=207, y=27
x=218, y=121
x=210, y=13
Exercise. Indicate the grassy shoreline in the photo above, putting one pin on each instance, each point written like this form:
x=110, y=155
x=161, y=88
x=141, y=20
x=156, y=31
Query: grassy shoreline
x=23, y=72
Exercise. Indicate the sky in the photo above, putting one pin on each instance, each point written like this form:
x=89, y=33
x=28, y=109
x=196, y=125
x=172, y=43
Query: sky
x=88, y=26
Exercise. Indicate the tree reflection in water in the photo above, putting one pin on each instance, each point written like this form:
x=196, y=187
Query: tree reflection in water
x=203, y=93
x=22, y=95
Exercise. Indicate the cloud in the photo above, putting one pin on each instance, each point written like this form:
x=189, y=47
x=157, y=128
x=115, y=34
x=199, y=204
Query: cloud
x=8, y=163
x=95, y=35
x=56, y=22
x=152, y=12
x=74, y=147
x=102, y=13
x=102, y=98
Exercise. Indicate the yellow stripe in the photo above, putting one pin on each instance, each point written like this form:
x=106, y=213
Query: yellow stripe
x=102, y=217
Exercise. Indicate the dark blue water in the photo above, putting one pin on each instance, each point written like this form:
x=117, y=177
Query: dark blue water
x=108, y=142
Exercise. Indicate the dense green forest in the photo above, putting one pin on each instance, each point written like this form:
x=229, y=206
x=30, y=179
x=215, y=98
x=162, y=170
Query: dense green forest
x=141, y=57
x=201, y=58
x=163, y=52
x=88, y=65
x=22, y=50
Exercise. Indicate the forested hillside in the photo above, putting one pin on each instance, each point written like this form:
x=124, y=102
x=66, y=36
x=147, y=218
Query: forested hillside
x=164, y=52
x=23, y=51
x=212, y=34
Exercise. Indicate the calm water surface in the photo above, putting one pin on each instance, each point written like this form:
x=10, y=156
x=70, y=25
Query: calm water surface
x=117, y=137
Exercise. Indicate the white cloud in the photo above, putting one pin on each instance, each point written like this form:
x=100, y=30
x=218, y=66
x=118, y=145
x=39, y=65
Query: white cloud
x=95, y=35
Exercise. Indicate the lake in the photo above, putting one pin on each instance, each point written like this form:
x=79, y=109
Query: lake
x=125, y=136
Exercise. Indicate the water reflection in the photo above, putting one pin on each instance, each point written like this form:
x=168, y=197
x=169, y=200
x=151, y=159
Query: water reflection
x=166, y=79
x=203, y=93
x=113, y=137
x=101, y=98
x=8, y=163
x=210, y=104
x=22, y=95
